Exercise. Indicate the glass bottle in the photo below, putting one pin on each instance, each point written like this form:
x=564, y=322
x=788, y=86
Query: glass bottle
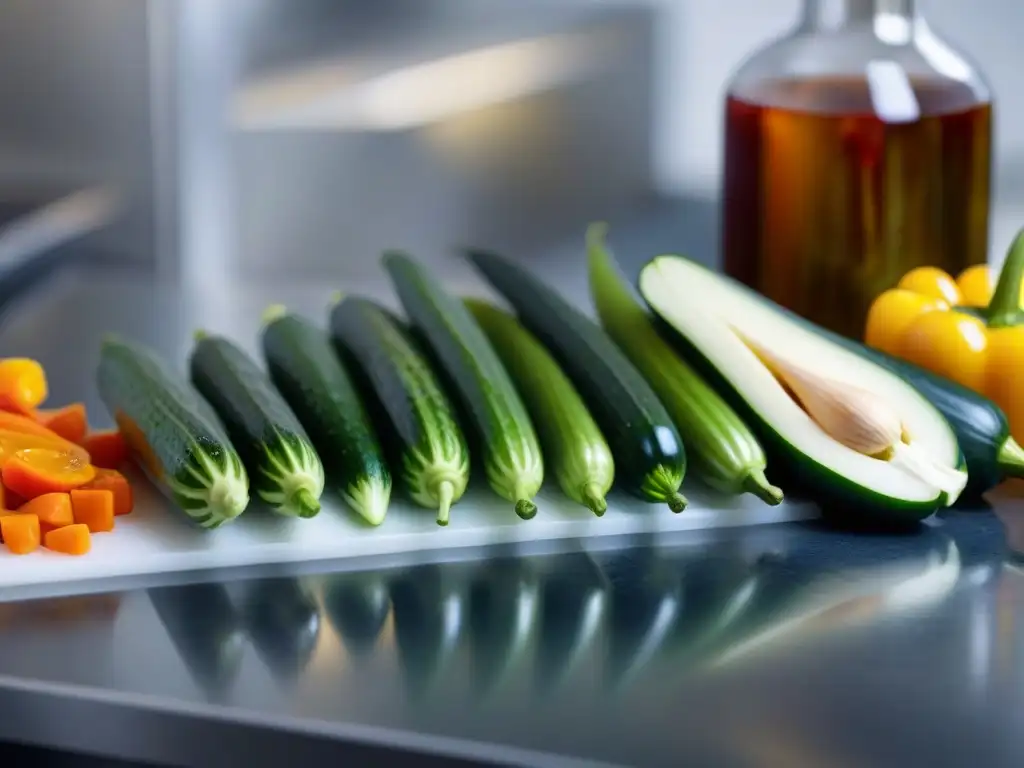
x=856, y=148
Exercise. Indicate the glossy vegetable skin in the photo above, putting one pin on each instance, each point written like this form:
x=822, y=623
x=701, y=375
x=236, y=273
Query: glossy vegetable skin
x=981, y=427
x=432, y=450
x=982, y=348
x=510, y=450
x=307, y=372
x=649, y=456
x=173, y=433
x=572, y=442
x=719, y=446
x=284, y=468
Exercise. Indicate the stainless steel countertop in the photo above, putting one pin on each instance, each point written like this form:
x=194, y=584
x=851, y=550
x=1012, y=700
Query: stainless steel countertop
x=783, y=645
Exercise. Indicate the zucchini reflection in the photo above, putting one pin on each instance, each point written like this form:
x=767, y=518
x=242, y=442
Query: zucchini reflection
x=357, y=605
x=207, y=632
x=429, y=611
x=284, y=623
x=504, y=599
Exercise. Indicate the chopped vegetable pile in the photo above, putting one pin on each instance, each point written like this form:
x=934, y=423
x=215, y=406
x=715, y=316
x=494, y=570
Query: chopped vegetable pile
x=61, y=481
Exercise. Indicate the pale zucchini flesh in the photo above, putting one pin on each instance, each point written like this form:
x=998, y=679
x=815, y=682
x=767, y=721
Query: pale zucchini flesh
x=710, y=312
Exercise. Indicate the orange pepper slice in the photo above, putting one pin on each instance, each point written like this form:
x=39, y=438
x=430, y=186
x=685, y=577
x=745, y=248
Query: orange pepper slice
x=35, y=471
x=22, y=384
x=11, y=442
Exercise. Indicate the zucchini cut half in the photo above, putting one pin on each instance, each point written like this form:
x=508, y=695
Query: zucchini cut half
x=718, y=320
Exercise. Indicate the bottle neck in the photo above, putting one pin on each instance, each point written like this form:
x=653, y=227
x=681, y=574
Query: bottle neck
x=831, y=15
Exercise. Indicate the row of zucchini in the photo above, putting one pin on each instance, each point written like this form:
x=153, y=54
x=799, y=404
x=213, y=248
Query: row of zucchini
x=715, y=374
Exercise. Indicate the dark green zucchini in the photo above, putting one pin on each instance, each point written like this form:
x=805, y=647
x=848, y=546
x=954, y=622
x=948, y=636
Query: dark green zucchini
x=308, y=374
x=431, y=446
x=649, y=454
x=173, y=433
x=285, y=469
x=512, y=456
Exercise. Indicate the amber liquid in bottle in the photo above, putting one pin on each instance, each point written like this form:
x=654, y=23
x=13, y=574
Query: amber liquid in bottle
x=826, y=204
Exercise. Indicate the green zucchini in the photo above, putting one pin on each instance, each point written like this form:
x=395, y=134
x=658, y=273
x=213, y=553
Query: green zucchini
x=512, y=457
x=173, y=433
x=431, y=447
x=572, y=442
x=284, y=466
x=719, y=446
x=313, y=381
x=649, y=454
x=715, y=318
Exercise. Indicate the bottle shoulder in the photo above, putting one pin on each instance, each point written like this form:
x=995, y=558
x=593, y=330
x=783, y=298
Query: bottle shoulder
x=789, y=72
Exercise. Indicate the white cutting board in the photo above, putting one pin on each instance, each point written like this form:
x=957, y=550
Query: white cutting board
x=157, y=539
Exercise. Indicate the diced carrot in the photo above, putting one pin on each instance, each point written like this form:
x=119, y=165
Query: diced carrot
x=20, y=533
x=22, y=385
x=94, y=508
x=69, y=540
x=9, y=499
x=36, y=471
x=113, y=481
x=107, y=448
x=69, y=422
x=16, y=422
x=54, y=510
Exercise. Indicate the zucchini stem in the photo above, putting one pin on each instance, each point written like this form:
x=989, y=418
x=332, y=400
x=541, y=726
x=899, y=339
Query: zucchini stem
x=1011, y=458
x=304, y=503
x=273, y=312
x=525, y=507
x=676, y=502
x=593, y=498
x=757, y=484
x=445, y=495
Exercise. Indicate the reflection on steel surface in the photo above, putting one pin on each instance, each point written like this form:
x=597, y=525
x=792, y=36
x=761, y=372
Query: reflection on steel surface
x=328, y=95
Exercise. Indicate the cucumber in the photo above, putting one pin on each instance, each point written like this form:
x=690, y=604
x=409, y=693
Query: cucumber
x=715, y=318
x=308, y=374
x=173, y=433
x=432, y=449
x=649, y=454
x=512, y=457
x=572, y=442
x=285, y=469
x=719, y=446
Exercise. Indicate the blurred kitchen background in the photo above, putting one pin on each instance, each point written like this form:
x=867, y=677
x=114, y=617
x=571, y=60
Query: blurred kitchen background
x=212, y=138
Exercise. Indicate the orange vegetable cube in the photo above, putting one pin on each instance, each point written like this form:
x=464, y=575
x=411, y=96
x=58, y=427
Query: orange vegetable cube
x=9, y=499
x=22, y=385
x=20, y=533
x=69, y=540
x=113, y=481
x=69, y=422
x=54, y=510
x=94, y=508
x=106, y=447
x=36, y=471
x=16, y=422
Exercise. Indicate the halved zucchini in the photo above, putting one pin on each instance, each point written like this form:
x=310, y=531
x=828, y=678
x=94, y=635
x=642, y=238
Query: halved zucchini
x=725, y=329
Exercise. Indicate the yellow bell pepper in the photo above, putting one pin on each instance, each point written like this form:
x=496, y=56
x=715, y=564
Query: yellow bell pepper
x=964, y=329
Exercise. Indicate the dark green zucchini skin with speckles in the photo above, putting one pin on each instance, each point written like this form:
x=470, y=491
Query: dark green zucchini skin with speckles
x=650, y=460
x=432, y=448
x=511, y=452
x=309, y=375
x=173, y=433
x=284, y=468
